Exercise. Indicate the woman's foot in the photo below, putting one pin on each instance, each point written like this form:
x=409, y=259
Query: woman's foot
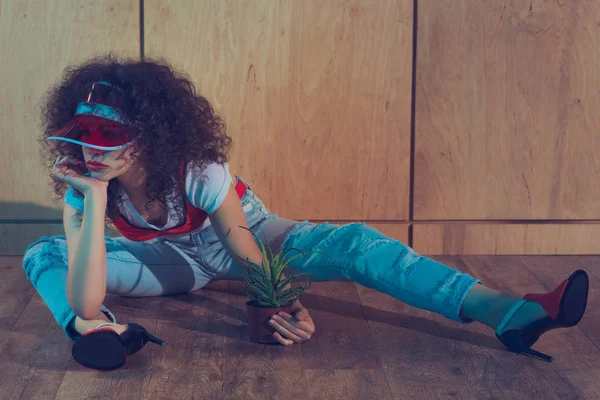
x=489, y=307
x=105, y=345
x=529, y=313
x=520, y=322
x=83, y=326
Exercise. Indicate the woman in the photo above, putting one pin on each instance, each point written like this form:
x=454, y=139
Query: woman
x=133, y=144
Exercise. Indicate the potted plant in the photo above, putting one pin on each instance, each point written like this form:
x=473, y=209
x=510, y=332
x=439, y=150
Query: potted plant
x=267, y=290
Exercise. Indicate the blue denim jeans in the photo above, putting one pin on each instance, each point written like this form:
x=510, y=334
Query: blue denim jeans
x=182, y=263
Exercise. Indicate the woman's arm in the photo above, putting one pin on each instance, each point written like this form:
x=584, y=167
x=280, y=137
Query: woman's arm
x=226, y=221
x=289, y=328
x=86, y=279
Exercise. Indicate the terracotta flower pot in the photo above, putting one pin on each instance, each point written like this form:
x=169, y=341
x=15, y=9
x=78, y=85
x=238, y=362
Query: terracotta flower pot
x=258, y=319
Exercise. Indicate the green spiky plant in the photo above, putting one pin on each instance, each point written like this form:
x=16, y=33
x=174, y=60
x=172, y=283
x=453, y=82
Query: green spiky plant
x=263, y=283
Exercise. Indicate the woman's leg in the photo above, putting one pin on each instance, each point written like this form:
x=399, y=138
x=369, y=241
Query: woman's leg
x=489, y=307
x=133, y=269
x=362, y=254
x=357, y=252
x=45, y=265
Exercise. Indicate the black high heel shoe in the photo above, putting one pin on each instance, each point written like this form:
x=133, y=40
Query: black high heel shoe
x=565, y=306
x=104, y=349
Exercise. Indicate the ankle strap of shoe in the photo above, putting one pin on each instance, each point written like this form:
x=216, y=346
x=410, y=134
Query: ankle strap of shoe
x=105, y=324
x=509, y=315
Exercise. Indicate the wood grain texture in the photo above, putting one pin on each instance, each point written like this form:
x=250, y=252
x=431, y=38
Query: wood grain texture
x=348, y=384
x=506, y=110
x=14, y=238
x=15, y=291
x=258, y=371
x=32, y=346
x=590, y=325
x=342, y=342
x=551, y=270
x=341, y=361
x=125, y=383
x=425, y=355
x=316, y=95
x=484, y=238
x=398, y=352
x=194, y=325
x=34, y=350
x=572, y=350
x=409, y=346
x=38, y=40
x=394, y=230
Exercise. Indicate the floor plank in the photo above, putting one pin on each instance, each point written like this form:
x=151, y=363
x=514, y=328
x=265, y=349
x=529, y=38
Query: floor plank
x=577, y=348
x=420, y=356
x=346, y=384
x=409, y=344
x=342, y=356
x=571, y=349
x=259, y=371
x=124, y=383
x=342, y=340
x=195, y=328
x=518, y=376
x=34, y=355
x=590, y=324
x=15, y=292
x=367, y=346
x=550, y=271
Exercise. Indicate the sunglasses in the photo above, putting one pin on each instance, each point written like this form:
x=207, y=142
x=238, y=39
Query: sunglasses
x=99, y=121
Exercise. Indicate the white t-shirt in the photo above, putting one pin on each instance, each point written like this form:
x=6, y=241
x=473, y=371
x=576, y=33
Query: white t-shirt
x=206, y=189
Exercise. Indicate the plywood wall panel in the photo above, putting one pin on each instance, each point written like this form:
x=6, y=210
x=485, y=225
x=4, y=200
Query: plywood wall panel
x=485, y=238
x=393, y=230
x=507, y=107
x=38, y=40
x=14, y=238
x=316, y=95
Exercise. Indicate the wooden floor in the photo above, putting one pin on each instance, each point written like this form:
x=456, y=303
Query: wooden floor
x=367, y=346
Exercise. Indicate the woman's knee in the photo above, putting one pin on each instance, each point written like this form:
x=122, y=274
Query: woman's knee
x=43, y=253
x=350, y=240
x=346, y=247
x=275, y=232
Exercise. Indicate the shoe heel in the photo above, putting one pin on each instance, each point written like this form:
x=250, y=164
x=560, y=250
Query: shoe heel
x=154, y=339
x=565, y=306
x=148, y=336
x=136, y=337
x=512, y=340
x=531, y=352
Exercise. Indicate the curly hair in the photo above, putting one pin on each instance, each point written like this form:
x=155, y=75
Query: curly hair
x=178, y=124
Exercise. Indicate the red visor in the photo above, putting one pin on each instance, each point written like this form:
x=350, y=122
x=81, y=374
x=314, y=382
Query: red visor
x=99, y=122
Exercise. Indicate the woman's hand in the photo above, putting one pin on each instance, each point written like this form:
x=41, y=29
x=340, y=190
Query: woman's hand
x=295, y=328
x=71, y=171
